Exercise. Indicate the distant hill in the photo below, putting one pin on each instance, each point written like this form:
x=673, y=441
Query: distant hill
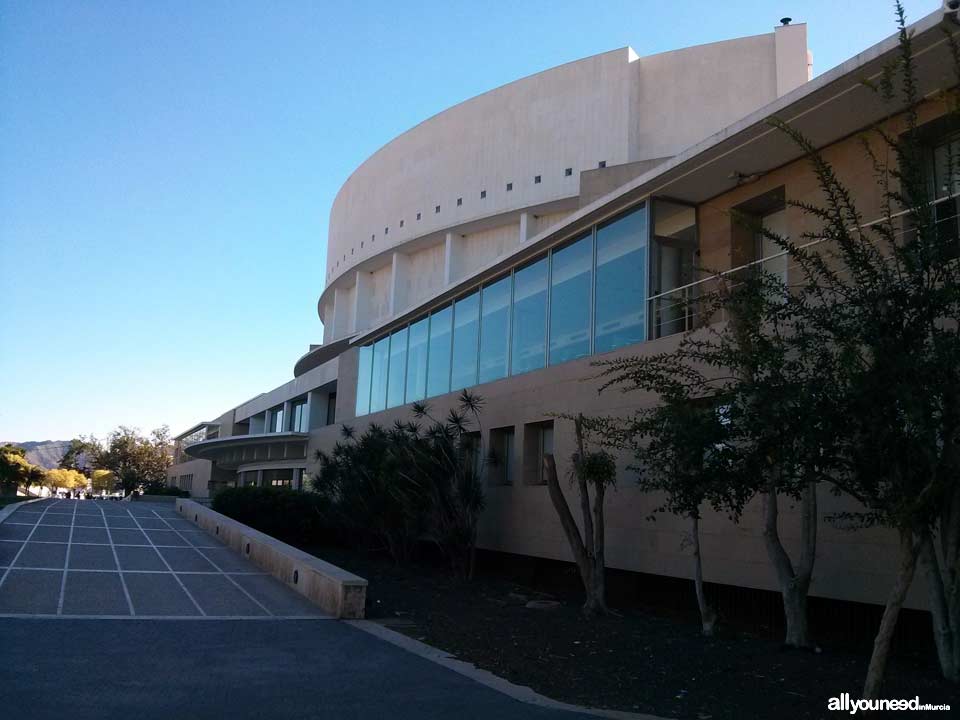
x=45, y=453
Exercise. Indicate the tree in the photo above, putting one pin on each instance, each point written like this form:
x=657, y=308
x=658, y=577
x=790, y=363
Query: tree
x=14, y=469
x=776, y=440
x=135, y=460
x=65, y=479
x=77, y=456
x=883, y=298
x=103, y=481
x=681, y=450
x=594, y=469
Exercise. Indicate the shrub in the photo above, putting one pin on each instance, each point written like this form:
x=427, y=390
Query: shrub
x=407, y=484
x=291, y=515
x=165, y=490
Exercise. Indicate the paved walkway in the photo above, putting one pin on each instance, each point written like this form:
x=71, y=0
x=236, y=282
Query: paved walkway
x=101, y=558
x=122, y=610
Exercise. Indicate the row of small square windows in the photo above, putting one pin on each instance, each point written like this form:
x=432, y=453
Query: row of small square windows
x=483, y=194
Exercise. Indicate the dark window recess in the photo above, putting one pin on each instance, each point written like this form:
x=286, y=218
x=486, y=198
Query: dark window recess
x=386, y=231
x=372, y=238
x=418, y=216
x=459, y=202
x=483, y=194
x=331, y=408
x=436, y=210
x=602, y=164
x=509, y=187
x=536, y=179
x=568, y=172
x=351, y=251
x=401, y=223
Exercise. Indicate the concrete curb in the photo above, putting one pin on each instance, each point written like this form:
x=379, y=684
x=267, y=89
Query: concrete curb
x=485, y=677
x=9, y=509
x=335, y=590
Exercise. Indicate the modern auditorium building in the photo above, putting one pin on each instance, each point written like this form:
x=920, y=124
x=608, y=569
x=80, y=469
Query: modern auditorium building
x=510, y=241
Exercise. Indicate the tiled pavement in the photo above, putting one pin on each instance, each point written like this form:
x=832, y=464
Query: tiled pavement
x=92, y=558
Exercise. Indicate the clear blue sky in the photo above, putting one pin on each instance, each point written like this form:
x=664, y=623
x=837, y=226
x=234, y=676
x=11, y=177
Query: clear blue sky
x=167, y=171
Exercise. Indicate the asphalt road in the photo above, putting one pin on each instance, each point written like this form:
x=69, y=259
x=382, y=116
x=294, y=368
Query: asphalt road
x=112, y=610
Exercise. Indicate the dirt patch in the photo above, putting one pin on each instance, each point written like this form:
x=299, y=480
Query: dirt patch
x=642, y=661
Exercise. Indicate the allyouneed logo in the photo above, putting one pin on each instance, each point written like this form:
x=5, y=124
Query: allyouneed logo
x=847, y=704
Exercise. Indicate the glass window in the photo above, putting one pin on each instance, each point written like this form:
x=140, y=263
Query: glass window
x=672, y=254
x=417, y=361
x=276, y=419
x=529, y=329
x=774, y=259
x=946, y=179
x=546, y=448
x=501, y=467
x=398, y=368
x=300, y=420
x=570, y=301
x=438, y=352
x=466, y=335
x=946, y=168
x=378, y=373
x=621, y=288
x=364, y=361
x=495, y=330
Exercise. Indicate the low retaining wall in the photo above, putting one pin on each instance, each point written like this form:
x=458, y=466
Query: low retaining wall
x=336, y=591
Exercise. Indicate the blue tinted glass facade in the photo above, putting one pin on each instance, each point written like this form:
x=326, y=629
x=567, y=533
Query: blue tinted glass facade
x=378, y=375
x=586, y=296
x=495, y=330
x=466, y=337
x=621, y=284
x=529, y=341
x=397, y=371
x=438, y=352
x=570, y=301
x=416, y=388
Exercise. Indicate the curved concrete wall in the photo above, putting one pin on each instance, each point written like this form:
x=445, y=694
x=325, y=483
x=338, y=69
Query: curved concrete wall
x=537, y=135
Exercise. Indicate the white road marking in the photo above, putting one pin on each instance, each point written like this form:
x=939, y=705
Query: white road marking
x=126, y=592
x=66, y=559
x=164, y=561
x=235, y=583
x=20, y=551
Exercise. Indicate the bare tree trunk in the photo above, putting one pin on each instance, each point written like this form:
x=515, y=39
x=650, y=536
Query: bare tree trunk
x=708, y=616
x=794, y=583
x=599, y=559
x=570, y=529
x=888, y=623
x=945, y=631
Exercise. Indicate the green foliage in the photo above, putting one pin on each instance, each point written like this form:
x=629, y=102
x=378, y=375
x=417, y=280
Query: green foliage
x=291, y=515
x=410, y=483
x=65, y=479
x=15, y=470
x=136, y=461
x=165, y=490
x=103, y=481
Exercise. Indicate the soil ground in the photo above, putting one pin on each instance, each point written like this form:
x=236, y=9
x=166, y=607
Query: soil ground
x=646, y=659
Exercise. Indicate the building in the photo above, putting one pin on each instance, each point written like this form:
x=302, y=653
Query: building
x=510, y=241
